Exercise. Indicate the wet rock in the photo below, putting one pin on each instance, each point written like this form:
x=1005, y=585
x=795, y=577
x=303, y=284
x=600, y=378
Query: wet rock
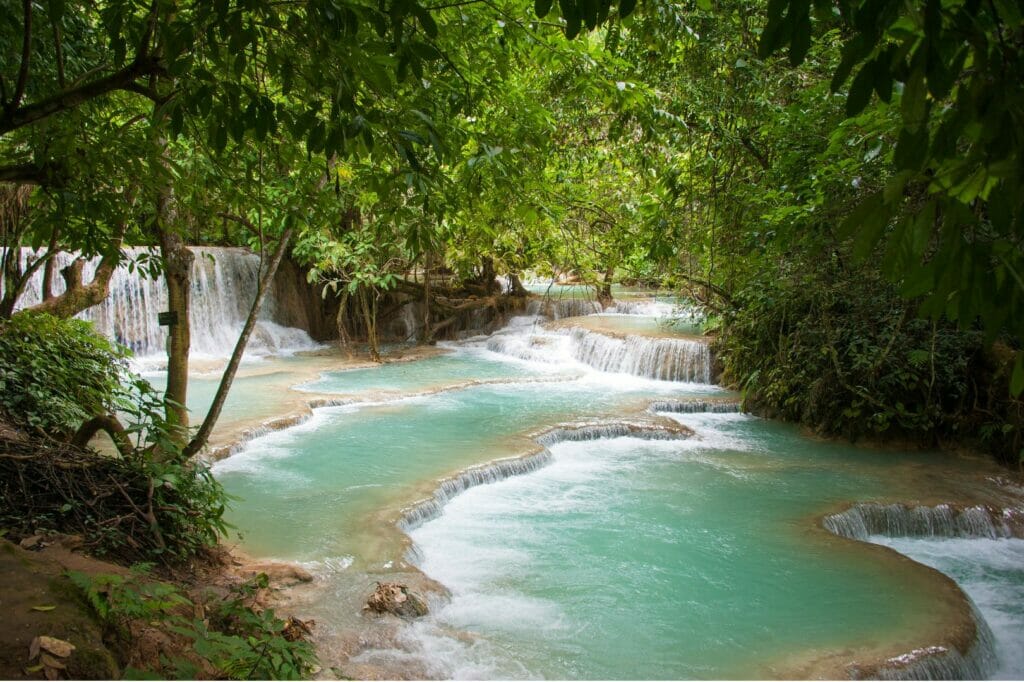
x=279, y=574
x=396, y=599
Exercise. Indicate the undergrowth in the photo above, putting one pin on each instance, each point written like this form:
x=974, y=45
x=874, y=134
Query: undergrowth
x=226, y=638
x=842, y=352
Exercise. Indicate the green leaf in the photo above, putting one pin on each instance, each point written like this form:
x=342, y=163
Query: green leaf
x=800, y=32
x=44, y=607
x=913, y=103
x=1017, y=380
x=860, y=90
x=911, y=149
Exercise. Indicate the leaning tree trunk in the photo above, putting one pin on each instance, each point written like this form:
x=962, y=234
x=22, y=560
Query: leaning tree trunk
x=203, y=435
x=604, y=291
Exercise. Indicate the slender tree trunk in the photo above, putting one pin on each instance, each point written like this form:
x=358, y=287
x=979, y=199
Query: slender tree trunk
x=515, y=285
x=177, y=264
x=51, y=266
x=203, y=435
x=427, y=336
x=604, y=292
x=178, y=274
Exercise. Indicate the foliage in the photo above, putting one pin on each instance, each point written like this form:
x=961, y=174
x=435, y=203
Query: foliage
x=230, y=639
x=56, y=374
x=146, y=504
x=842, y=352
x=950, y=213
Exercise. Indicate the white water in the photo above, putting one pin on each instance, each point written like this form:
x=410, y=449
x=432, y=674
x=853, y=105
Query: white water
x=665, y=359
x=991, y=572
x=224, y=282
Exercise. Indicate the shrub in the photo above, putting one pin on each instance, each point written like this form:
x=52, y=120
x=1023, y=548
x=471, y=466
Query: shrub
x=56, y=373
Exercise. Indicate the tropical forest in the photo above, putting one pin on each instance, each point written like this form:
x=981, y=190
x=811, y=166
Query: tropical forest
x=511, y=339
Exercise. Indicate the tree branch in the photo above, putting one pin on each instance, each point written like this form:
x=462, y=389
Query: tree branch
x=123, y=79
x=26, y=56
x=78, y=296
x=104, y=422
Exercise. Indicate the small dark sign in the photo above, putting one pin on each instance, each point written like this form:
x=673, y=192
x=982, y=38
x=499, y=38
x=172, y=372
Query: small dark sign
x=167, y=319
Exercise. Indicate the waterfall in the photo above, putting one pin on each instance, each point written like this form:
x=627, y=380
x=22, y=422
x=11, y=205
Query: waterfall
x=653, y=358
x=861, y=521
x=864, y=520
x=224, y=282
x=943, y=663
x=501, y=469
x=559, y=308
x=695, y=406
x=487, y=473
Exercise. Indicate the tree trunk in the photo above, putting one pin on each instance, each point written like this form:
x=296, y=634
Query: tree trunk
x=427, y=336
x=178, y=274
x=515, y=286
x=604, y=291
x=203, y=435
x=51, y=266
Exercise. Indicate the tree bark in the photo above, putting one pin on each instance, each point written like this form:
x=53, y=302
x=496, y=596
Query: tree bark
x=108, y=423
x=515, y=286
x=178, y=275
x=427, y=335
x=604, y=291
x=203, y=435
x=51, y=266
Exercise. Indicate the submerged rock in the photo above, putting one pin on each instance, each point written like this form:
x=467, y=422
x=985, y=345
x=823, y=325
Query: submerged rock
x=396, y=599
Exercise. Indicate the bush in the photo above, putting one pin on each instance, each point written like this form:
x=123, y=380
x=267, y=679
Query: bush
x=55, y=373
x=150, y=503
x=842, y=352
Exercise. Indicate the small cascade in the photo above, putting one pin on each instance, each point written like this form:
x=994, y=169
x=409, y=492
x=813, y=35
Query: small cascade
x=501, y=469
x=648, y=307
x=479, y=475
x=653, y=358
x=560, y=308
x=596, y=431
x=224, y=282
x=695, y=406
x=861, y=521
x=942, y=663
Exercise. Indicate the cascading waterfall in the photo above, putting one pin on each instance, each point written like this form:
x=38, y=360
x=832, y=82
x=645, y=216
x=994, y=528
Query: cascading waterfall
x=666, y=359
x=501, y=469
x=695, y=406
x=224, y=282
x=559, y=308
x=943, y=663
x=861, y=521
x=653, y=358
x=865, y=520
